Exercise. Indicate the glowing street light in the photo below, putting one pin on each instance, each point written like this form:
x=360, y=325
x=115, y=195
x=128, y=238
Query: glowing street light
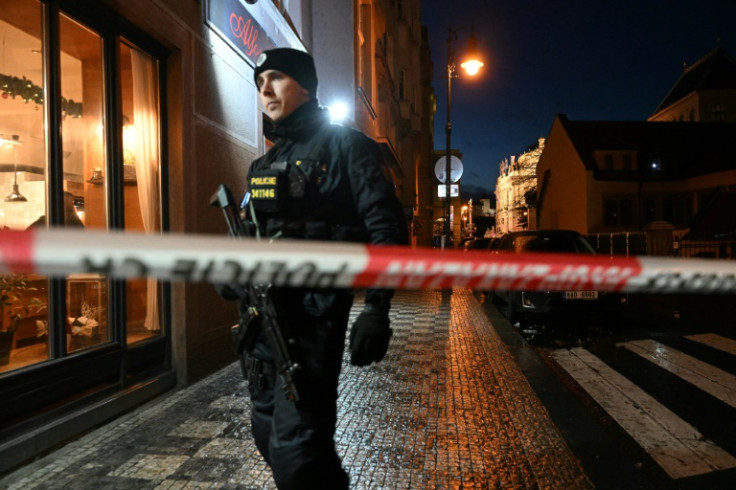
x=471, y=65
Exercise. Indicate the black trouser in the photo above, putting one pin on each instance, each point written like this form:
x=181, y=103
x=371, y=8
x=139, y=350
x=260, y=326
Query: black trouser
x=297, y=439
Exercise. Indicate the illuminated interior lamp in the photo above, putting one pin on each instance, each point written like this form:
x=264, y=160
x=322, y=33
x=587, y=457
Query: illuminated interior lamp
x=472, y=63
x=14, y=196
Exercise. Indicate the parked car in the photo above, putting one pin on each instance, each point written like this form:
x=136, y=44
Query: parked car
x=549, y=305
x=481, y=243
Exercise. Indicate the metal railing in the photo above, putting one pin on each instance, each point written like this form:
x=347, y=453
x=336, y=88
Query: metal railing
x=695, y=247
x=635, y=243
x=625, y=243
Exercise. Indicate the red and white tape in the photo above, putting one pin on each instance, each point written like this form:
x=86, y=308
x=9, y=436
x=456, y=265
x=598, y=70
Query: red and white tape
x=220, y=259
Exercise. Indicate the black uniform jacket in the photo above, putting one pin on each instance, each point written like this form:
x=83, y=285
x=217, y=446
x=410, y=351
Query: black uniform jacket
x=324, y=181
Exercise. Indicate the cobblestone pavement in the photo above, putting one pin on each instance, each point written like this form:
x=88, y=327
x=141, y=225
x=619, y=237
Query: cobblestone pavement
x=447, y=409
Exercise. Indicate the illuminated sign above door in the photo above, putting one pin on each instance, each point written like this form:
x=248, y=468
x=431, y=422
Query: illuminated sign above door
x=238, y=26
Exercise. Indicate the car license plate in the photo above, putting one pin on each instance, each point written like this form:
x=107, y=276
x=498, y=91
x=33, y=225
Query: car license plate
x=581, y=294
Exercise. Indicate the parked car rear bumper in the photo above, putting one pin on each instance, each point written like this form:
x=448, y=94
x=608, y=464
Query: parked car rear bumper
x=553, y=306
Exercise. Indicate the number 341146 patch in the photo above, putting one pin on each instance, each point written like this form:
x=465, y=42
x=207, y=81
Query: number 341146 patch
x=264, y=187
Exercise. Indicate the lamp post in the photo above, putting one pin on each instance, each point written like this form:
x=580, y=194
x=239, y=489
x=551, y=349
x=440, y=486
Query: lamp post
x=471, y=65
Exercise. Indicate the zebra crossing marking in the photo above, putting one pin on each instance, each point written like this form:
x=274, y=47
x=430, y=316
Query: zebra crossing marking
x=674, y=444
x=716, y=341
x=704, y=376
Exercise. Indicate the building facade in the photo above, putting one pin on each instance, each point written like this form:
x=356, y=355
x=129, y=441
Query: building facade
x=516, y=189
x=606, y=176
x=668, y=172
x=703, y=93
x=127, y=115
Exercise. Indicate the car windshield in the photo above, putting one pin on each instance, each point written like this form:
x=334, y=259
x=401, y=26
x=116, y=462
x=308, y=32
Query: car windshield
x=552, y=243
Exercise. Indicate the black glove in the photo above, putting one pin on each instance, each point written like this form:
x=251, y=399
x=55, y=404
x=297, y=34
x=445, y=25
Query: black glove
x=369, y=336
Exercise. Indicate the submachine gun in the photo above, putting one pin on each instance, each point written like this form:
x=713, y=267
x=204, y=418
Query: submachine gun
x=262, y=314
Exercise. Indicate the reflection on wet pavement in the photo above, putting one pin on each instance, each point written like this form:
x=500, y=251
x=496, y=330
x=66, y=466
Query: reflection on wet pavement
x=448, y=408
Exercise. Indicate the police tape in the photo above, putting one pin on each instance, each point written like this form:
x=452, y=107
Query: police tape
x=220, y=259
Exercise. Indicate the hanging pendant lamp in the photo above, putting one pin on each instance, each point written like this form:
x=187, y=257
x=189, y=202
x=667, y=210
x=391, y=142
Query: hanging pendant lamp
x=15, y=196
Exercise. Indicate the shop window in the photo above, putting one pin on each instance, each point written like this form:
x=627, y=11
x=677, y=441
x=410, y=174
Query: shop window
x=98, y=187
x=141, y=179
x=24, y=332
x=83, y=163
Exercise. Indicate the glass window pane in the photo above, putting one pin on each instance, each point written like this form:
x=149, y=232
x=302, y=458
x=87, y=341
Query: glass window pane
x=141, y=171
x=85, y=203
x=627, y=212
x=23, y=298
x=610, y=217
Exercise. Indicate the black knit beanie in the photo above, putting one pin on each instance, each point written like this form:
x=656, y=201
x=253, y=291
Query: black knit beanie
x=297, y=64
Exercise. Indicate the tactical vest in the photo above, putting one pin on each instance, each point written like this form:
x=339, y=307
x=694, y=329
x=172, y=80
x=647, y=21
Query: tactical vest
x=290, y=196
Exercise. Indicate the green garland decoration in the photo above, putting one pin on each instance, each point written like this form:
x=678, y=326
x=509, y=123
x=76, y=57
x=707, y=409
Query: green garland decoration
x=24, y=88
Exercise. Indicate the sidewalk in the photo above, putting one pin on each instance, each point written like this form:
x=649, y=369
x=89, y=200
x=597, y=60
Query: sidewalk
x=447, y=408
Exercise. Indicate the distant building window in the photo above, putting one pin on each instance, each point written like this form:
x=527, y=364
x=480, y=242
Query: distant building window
x=627, y=213
x=608, y=162
x=611, y=212
x=668, y=209
x=650, y=211
x=719, y=113
x=627, y=163
x=683, y=209
x=618, y=212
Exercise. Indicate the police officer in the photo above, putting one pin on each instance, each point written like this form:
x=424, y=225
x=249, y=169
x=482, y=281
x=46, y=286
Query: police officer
x=319, y=181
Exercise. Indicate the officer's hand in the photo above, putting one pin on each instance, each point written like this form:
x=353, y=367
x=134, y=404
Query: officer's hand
x=369, y=336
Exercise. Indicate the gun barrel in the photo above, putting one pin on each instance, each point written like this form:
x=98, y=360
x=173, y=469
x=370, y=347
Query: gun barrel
x=223, y=198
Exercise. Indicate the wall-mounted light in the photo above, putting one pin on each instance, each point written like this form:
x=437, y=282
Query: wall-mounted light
x=338, y=111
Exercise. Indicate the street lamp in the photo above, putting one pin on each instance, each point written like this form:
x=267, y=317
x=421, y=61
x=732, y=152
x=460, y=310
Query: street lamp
x=471, y=65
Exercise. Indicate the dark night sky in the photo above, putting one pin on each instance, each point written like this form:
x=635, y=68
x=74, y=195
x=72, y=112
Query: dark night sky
x=589, y=59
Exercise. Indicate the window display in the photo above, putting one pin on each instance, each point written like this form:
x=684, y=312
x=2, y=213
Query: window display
x=86, y=183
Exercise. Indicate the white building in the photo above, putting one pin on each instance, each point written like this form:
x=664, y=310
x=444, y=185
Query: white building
x=514, y=209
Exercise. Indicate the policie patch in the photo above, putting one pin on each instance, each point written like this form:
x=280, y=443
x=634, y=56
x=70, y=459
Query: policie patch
x=264, y=187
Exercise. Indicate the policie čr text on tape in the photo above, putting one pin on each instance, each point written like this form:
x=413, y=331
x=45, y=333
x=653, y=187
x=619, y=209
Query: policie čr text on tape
x=219, y=259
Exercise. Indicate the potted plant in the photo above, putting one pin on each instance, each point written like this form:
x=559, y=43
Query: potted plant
x=13, y=288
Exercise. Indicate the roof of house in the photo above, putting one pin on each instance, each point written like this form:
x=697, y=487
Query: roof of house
x=680, y=149
x=715, y=71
